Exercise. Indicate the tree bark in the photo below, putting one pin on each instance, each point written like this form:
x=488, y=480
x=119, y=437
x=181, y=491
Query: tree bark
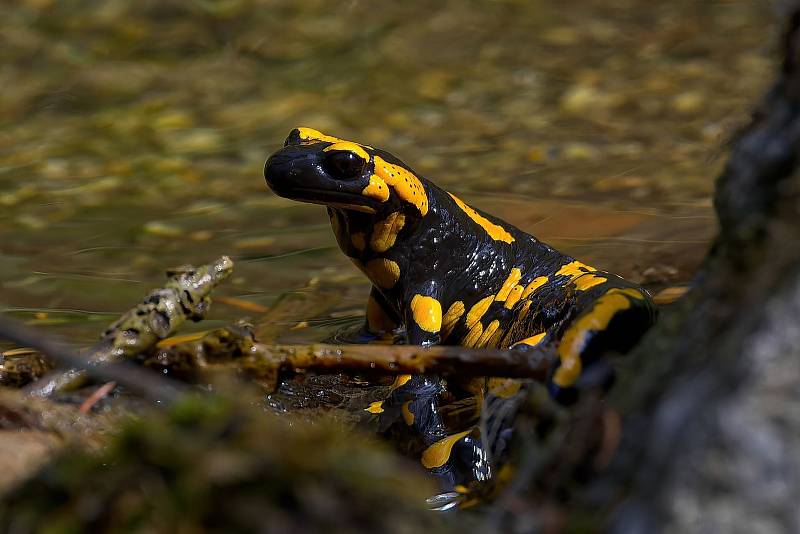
x=711, y=399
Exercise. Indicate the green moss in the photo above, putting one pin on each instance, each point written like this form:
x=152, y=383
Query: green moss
x=213, y=465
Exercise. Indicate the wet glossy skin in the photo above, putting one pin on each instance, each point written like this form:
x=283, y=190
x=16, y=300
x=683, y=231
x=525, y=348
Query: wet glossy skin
x=449, y=273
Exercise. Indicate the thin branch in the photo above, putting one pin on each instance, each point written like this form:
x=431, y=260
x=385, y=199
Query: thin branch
x=144, y=382
x=411, y=359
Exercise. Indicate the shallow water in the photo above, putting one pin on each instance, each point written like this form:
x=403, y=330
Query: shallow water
x=132, y=137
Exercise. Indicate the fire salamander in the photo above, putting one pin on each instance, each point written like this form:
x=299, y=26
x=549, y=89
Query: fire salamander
x=449, y=273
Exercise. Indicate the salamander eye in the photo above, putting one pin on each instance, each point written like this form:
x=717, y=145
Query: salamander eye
x=344, y=165
x=294, y=138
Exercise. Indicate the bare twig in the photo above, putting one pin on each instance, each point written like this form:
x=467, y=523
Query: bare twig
x=235, y=348
x=143, y=382
x=159, y=314
x=95, y=397
x=412, y=359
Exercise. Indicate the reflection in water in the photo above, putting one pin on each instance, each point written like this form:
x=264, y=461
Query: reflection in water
x=132, y=137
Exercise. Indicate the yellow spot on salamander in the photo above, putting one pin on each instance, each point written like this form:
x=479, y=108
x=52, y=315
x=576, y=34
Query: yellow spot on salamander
x=408, y=415
x=310, y=134
x=476, y=312
x=587, y=281
x=535, y=284
x=504, y=387
x=487, y=333
x=531, y=341
x=495, y=231
x=349, y=146
x=473, y=335
x=376, y=189
x=377, y=319
x=375, y=407
x=384, y=273
x=407, y=186
x=451, y=317
x=384, y=233
x=508, y=285
x=575, y=338
x=568, y=372
x=631, y=292
x=494, y=341
x=359, y=241
x=575, y=269
x=513, y=296
x=523, y=313
x=399, y=382
x=437, y=454
x=427, y=313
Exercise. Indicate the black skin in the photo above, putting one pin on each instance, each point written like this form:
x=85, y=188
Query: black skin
x=446, y=255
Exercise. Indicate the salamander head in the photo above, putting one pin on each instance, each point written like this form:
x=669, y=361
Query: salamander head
x=314, y=167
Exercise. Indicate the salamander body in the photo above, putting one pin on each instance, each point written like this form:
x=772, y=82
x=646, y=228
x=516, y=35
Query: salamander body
x=449, y=273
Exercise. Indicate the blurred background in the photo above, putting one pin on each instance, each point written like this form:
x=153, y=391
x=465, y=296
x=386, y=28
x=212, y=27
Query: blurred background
x=133, y=136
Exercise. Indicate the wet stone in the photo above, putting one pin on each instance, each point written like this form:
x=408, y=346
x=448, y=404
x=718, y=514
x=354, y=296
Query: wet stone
x=587, y=100
x=688, y=103
x=254, y=243
x=162, y=229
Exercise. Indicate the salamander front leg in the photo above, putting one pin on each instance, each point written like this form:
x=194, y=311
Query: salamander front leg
x=381, y=319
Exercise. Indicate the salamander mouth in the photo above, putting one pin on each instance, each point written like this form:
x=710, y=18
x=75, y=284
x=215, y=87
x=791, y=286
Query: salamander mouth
x=335, y=199
x=285, y=175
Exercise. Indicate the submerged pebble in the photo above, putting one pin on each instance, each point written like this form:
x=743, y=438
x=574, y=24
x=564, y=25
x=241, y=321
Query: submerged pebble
x=162, y=229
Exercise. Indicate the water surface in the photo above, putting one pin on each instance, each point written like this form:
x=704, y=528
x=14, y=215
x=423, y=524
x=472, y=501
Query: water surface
x=133, y=134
